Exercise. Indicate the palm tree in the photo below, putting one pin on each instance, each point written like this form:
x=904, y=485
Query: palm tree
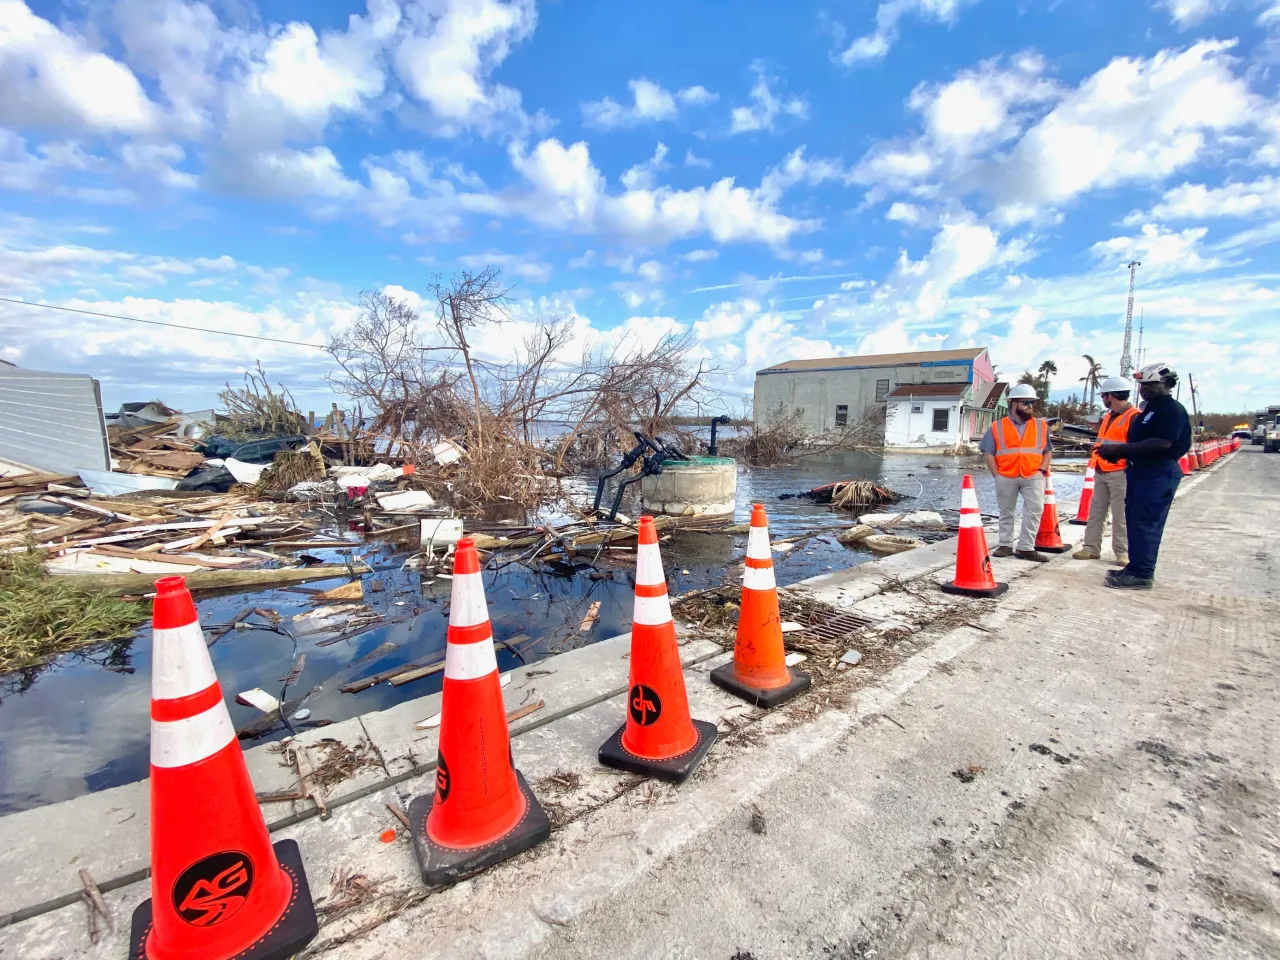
x=1047, y=369
x=1092, y=379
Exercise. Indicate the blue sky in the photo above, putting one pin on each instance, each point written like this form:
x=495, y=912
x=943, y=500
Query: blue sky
x=784, y=180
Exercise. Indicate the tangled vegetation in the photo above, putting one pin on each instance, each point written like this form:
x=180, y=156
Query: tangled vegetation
x=256, y=409
x=42, y=616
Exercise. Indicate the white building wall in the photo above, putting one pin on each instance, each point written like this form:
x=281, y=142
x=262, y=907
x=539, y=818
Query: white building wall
x=906, y=428
x=819, y=392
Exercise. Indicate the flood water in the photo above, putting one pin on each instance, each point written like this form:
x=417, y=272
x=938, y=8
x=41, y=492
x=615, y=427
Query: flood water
x=82, y=723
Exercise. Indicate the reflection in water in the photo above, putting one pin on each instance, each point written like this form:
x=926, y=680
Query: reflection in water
x=81, y=724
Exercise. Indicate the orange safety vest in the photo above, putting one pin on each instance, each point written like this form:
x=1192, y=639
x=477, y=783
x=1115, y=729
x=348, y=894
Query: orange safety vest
x=1019, y=456
x=1113, y=430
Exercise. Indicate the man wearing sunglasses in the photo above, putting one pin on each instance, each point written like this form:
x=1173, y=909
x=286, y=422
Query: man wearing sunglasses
x=1018, y=454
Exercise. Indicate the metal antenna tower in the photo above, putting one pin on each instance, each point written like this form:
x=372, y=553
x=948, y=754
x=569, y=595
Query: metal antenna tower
x=1126, y=361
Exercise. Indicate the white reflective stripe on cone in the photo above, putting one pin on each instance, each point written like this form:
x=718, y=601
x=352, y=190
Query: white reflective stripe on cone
x=652, y=611
x=758, y=543
x=470, y=661
x=754, y=578
x=1050, y=498
x=968, y=499
x=970, y=520
x=466, y=604
x=177, y=743
x=180, y=664
x=649, y=565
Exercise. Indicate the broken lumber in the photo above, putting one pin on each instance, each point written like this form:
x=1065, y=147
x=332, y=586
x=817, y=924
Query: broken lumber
x=119, y=584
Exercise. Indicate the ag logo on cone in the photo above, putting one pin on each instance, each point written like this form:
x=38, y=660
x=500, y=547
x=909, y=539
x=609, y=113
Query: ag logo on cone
x=213, y=889
x=644, y=705
x=442, y=779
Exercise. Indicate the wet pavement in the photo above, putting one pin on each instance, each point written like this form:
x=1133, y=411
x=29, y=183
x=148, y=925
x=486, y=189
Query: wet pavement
x=81, y=724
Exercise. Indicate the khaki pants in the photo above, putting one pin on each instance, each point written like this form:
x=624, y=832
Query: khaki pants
x=1108, y=492
x=1032, y=490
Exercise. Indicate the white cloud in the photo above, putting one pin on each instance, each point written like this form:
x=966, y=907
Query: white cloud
x=650, y=104
x=875, y=45
x=644, y=175
x=569, y=193
x=446, y=51
x=1161, y=251
x=700, y=256
x=1134, y=121
x=693, y=160
x=908, y=213
x=57, y=81
x=1232, y=199
x=1189, y=13
x=809, y=257
x=766, y=107
x=527, y=266
x=287, y=174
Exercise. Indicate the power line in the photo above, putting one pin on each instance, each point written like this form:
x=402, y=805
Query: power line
x=161, y=323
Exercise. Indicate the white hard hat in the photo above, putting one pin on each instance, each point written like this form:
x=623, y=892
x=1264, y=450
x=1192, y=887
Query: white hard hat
x=1115, y=385
x=1156, y=373
x=1023, y=391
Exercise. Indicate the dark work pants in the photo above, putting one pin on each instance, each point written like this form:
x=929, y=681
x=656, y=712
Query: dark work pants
x=1151, y=487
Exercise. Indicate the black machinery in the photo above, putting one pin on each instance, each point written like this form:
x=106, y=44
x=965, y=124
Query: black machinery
x=651, y=466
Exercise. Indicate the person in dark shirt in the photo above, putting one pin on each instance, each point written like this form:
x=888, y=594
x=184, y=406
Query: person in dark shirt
x=1158, y=436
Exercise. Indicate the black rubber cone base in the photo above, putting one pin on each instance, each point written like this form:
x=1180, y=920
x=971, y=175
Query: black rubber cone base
x=444, y=865
x=1077, y=523
x=726, y=679
x=294, y=930
x=676, y=769
x=1062, y=549
x=995, y=591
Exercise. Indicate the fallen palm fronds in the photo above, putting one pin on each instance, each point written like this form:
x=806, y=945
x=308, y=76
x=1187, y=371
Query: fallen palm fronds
x=292, y=467
x=257, y=410
x=42, y=616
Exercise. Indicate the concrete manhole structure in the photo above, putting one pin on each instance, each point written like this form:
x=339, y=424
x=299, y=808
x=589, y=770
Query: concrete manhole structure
x=700, y=487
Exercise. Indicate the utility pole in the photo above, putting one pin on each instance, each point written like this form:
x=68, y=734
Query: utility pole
x=1142, y=354
x=1126, y=361
x=1195, y=410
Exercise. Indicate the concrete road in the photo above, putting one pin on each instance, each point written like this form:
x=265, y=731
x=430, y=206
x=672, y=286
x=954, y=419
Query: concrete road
x=1096, y=778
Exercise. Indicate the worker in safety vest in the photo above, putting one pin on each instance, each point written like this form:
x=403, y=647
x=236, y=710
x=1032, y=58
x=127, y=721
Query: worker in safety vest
x=1158, y=436
x=1018, y=454
x=1109, y=481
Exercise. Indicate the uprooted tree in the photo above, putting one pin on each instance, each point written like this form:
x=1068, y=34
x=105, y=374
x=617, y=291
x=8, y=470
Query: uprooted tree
x=557, y=402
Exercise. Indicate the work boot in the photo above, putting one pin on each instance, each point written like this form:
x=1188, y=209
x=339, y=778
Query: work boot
x=1002, y=551
x=1087, y=553
x=1127, y=581
x=1032, y=555
x=1122, y=559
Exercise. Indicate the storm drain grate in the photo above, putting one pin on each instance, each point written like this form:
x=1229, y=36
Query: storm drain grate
x=822, y=620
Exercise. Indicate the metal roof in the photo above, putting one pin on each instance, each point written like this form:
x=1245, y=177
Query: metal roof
x=876, y=360
x=928, y=390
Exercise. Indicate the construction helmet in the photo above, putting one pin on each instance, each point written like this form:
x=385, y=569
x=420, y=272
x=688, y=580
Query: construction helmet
x=1115, y=385
x=1023, y=391
x=1157, y=372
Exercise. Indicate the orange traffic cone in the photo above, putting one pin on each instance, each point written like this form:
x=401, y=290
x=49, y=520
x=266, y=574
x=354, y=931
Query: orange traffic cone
x=658, y=738
x=973, y=564
x=1086, y=498
x=758, y=673
x=482, y=810
x=1193, y=460
x=1184, y=466
x=1048, y=537
x=219, y=888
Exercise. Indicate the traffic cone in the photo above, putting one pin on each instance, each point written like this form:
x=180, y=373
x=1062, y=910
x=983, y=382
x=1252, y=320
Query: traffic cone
x=1086, y=498
x=1184, y=466
x=219, y=888
x=1193, y=461
x=482, y=810
x=1048, y=537
x=659, y=738
x=973, y=564
x=758, y=673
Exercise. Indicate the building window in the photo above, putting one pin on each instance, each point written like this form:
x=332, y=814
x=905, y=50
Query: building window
x=917, y=408
x=842, y=415
x=882, y=390
x=941, y=419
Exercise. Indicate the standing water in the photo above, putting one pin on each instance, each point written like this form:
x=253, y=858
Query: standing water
x=81, y=723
